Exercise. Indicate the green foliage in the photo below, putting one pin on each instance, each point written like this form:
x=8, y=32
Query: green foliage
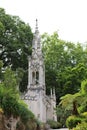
x=76, y=103
x=67, y=101
x=65, y=64
x=10, y=106
x=84, y=114
x=24, y=113
x=83, y=107
x=9, y=95
x=10, y=100
x=62, y=114
x=15, y=43
x=16, y=38
x=10, y=79
x=66, y=68
x=54, y=124
x=83, y=97
x=84, y=87
x=72, y=121
x=1, y=65
x=81, y=126
x=80, y=98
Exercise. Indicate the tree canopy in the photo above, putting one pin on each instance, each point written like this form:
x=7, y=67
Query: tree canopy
x=65, y=61
x=66, y=64
x=15, y=43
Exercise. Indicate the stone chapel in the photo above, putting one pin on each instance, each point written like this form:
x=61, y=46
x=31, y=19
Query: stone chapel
x=38, y=102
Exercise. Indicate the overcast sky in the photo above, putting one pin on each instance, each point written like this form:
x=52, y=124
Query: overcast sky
x=68, y=17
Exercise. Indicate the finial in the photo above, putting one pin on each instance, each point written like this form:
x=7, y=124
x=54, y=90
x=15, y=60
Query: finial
x=51, y=92
x=36, y=25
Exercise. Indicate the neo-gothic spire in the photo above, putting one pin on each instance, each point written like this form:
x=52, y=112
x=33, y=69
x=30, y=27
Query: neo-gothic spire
x=36, y=43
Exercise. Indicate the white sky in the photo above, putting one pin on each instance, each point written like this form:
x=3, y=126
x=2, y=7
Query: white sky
x=68, y=17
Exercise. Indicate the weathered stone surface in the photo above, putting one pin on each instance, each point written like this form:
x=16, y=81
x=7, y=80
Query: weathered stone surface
x=2, y=122
x=36, y=99
x=8, y=123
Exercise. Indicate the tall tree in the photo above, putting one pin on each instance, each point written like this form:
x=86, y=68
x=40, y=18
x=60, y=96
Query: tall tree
x=65, y=64
x=15, y=42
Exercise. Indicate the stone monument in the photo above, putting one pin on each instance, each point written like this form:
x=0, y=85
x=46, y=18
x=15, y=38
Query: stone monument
x=38, y=102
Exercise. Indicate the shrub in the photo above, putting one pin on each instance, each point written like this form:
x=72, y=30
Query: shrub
x=72, y=121
x=82, y=126
x=82, y=108
x=84, y=114
x=1, y=110
x=84, y=87
x=54, y=124
x=31, y=125
x=24, y=113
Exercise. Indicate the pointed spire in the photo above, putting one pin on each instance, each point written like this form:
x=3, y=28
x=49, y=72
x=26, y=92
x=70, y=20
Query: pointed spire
x=54, y=94
x=54, y=91
x=36, y=43
x=36, y=28
x=51, y=92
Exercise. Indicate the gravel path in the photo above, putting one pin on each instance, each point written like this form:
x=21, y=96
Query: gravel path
x=60, y=129
x=63, y=129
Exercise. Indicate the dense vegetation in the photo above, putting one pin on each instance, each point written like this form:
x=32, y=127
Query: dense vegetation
x=76, y=105
x=10, y=101
x=65, y=68
x=15, y=44
x=65, y=63
x=15, y=47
